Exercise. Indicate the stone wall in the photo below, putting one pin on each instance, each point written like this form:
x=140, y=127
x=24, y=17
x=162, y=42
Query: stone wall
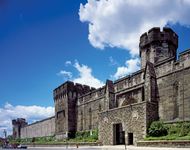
x=88, y=107
x=129, y=82
x=173, y=78
x=130, y=89
x=42, y=128
x=174, y=96
x=133, y=119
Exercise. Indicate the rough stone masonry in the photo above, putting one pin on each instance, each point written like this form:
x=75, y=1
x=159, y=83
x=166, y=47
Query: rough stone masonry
x=123, y=110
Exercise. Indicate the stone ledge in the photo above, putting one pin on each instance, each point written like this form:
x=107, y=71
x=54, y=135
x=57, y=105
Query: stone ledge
x=165, y=143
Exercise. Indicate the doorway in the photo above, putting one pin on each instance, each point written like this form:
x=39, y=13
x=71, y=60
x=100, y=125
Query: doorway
x=119, y=134
x=130, y=138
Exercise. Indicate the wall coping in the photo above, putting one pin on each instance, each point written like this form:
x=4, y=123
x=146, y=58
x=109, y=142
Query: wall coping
x=40, y=121
x=184, y=52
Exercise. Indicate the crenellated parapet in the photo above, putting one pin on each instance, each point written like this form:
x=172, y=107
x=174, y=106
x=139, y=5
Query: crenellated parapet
x=155, y=35
x=19, y=121
x=70, y=86
x=93, y=95
x=157, y=45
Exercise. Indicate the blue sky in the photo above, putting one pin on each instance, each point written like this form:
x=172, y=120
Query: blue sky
x=45, y=42
x=37, y=38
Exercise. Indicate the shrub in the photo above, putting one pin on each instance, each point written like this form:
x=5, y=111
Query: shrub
x=174, y=129
x=85, y=136
x=179, y=129
x=157, y=129
x=185, y=129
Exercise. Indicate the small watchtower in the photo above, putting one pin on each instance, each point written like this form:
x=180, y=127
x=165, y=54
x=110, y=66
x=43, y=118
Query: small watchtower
x=17, y=125
x=156, y=46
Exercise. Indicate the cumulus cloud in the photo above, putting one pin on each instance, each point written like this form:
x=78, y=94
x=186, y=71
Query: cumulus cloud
x=130, y=66
x=65, y=74
x=31, y=113
x=86, y=77
x=67, y=63
x=119, y=23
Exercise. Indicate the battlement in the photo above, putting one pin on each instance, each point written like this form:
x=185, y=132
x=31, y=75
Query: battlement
x=156, y=45
x=155, y=35
x=95, y=94
x=71, y=86
x=19, y=121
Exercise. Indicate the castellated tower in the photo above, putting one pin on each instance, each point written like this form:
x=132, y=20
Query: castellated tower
x=17, y=125
x=157, y=46
x=65, y=99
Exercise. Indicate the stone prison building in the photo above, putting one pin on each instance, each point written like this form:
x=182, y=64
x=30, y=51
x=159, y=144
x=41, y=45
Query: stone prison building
x=123, y=110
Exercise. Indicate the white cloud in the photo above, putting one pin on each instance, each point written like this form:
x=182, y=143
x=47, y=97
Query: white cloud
x=112, y=61
x=67, y=63
x=31, y=113
x=119, y=23
x=86, y=77
x=131, y=66
x=65, y=74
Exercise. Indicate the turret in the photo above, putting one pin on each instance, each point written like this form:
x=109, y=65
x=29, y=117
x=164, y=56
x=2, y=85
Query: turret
x=17, y=125
x=156, y=46
x=65, y=99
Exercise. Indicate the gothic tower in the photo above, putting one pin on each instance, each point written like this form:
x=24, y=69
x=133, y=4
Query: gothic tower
x=157, y=46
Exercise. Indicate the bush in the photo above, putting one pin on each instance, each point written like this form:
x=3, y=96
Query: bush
x=179, y=129
x=174, y=129
x=157, y=129
x=37, y=140
x=185, y=129
x=85, y=136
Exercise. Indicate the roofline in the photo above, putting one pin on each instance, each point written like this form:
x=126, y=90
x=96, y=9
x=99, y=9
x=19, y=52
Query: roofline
x=185, y=51
x=40, y=121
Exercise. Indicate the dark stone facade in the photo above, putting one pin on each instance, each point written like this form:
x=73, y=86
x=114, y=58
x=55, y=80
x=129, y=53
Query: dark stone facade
x=123, y=110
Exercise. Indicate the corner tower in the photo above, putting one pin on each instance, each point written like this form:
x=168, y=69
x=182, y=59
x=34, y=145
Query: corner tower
x=17, y=125
x=156, y=46
x=65, y=99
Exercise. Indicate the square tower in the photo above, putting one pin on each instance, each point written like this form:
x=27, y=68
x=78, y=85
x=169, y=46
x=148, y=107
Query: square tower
x=65, y=99
x=157, y=46
x=17, y=125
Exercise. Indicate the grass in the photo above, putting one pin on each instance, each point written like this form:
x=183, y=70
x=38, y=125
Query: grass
x=175, y=131
x=80, y=137
x=168, y=137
